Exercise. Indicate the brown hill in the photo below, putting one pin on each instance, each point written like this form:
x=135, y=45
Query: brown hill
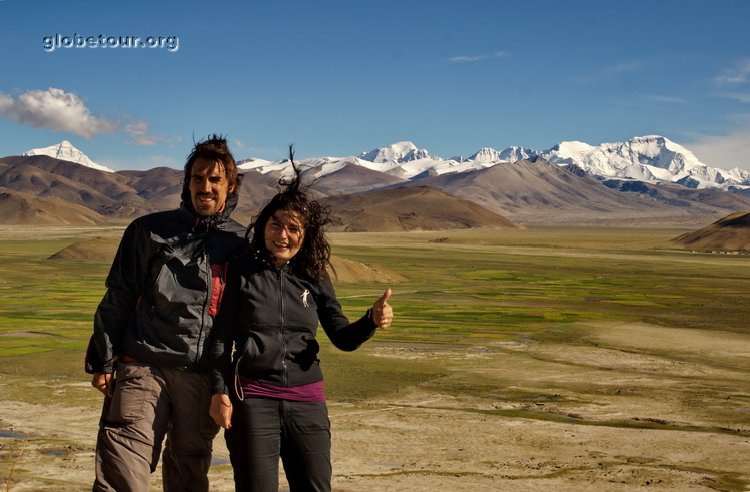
x=525, y=192
x=715, y=200
x=102, y=250
x=20, y=208
x=541, y=192
x=110, y=184
x=256, y=190
x=731, y=233
x=122, y=195
x=409, y=208
x=95, y=250
x=105, y=193
x=352, y=178
x=160, y=187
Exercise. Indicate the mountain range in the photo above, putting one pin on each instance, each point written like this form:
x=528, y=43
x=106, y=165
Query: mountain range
x=401, y=187
x=650, y=159
x=653, y=159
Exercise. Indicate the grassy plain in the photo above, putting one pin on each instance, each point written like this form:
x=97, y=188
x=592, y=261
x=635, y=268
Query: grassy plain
x=531, y=359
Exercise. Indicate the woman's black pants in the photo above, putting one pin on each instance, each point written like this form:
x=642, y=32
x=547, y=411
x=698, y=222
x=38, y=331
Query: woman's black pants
x=264, y=430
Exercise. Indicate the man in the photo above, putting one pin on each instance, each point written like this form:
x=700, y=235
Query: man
x=147, y=353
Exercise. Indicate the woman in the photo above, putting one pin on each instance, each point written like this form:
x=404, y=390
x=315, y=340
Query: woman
x=269, y=397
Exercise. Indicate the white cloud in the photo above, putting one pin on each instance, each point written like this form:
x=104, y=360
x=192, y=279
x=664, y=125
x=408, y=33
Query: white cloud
x=138, y=131
x=6, y=104
x=476, y=58
x=738, y=74
x=59, y=110
x=140, y=134
x=724, y=151
x=54, y=109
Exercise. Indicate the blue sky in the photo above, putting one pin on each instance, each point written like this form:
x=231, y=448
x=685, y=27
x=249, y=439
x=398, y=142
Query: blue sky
x=342, y=77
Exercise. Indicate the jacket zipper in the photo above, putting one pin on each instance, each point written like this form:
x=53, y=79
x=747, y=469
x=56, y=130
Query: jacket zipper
x=206, y=300
x=284, y=369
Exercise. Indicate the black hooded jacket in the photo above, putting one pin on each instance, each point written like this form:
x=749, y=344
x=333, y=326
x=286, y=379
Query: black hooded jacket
x=164, y=289
x=270, y=315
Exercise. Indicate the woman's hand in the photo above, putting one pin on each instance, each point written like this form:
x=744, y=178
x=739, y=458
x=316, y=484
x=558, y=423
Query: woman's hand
x=221, y=410
x=382, y=313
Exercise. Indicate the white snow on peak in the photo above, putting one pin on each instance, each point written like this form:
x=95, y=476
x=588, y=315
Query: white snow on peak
x=490, y=155
x=330, y=166
x=739, y=175
x=486, y=154
x=646, y=158
x=261, y=165
x=651, y=158
x=67, y=152
x=453, y=166
x=395, y=154
x=568, y=152
x=322, y=166
x=319, y=166
x=513, y=154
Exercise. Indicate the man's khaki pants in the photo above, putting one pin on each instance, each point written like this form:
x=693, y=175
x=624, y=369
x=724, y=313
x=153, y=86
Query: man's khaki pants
x=149, y=403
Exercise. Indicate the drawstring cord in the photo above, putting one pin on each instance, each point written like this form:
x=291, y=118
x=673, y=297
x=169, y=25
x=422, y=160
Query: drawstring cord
x=237, y=385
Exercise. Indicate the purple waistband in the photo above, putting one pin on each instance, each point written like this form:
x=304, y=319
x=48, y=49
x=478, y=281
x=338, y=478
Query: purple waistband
x=312, y=392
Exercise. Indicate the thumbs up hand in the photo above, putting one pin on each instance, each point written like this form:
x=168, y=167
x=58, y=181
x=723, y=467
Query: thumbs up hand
x=382, y=313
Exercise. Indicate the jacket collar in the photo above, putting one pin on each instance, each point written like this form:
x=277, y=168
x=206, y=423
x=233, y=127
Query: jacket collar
x=201, y=223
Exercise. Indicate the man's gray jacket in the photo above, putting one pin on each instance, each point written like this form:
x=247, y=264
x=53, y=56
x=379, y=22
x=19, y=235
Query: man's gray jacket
x=164, y=290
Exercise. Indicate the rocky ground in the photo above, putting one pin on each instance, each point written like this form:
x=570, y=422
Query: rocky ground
x=635, y=407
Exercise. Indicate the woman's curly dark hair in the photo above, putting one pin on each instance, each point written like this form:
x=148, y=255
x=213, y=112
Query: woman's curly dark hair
x=314, y=255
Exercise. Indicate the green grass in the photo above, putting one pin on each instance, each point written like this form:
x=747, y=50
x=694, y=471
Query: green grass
x=465, y=287
x=477, y=285
x=47, y=305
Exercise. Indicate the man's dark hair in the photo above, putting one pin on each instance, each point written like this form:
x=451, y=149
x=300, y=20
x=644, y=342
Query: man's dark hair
x=214, y=148
x=315, y=254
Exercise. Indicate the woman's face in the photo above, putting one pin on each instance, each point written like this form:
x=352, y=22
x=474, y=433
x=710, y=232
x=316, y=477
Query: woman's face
x=283, y=235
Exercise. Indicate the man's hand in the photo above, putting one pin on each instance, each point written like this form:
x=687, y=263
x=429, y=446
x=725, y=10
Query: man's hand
x=221, y=410
x=104, y=382
x=382, y=313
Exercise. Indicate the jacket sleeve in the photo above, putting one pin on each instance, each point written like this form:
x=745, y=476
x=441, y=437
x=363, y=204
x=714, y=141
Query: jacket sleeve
x=344, y=335
x=222, y=335
x=119, y=302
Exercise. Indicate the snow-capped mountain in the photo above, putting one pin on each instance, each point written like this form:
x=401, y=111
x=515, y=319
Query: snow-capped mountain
x=397, y=153
x=650, y=158
x=67, y=152
x=513, y=154
x=739, y=175
x=486, y=154
x=261, y=165
x=510, y=154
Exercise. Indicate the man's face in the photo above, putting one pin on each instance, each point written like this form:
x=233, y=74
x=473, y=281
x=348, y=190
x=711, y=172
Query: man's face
x=208, y=186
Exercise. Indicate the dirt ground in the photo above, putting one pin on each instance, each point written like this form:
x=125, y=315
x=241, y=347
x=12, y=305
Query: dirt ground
x=633, y=407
